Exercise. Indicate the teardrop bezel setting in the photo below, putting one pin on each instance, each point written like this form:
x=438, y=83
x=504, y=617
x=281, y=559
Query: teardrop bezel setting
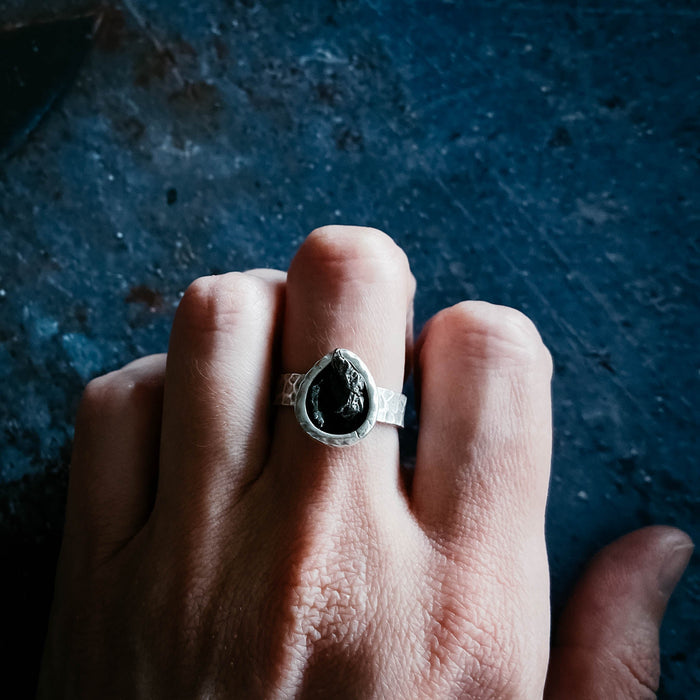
x=311, y=428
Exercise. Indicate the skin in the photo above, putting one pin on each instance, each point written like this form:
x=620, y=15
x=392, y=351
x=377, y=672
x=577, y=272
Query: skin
x=212, y=549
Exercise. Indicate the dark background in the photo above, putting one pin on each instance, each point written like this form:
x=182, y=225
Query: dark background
x=540, y=155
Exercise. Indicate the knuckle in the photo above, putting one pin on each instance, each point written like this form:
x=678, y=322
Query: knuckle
x=366, y=254
x=99, y=392
x=217, y=302
x=138, y=384
x=489, y=335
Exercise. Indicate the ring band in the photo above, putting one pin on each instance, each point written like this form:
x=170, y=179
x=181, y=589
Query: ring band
x=337, y=401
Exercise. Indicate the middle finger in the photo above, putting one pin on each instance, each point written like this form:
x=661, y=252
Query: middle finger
x=347, y=287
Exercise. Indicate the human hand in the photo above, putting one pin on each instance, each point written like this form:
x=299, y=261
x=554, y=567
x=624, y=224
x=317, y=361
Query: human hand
x=213, y=549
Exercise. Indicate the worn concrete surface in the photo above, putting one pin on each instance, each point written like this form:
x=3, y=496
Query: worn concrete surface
x=540, y=155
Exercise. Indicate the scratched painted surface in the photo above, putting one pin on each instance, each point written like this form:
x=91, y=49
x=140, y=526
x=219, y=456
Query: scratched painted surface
x=534, y=155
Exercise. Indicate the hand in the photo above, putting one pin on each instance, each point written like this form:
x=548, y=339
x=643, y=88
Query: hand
x=213, y=549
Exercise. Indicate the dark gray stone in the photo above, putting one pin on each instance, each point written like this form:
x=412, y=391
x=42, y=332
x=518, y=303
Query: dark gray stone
x=337, y=401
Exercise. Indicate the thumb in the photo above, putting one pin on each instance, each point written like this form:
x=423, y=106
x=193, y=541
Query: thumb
x=607, y=642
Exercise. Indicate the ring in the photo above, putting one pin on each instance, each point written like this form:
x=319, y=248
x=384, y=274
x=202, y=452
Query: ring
x=337, y=401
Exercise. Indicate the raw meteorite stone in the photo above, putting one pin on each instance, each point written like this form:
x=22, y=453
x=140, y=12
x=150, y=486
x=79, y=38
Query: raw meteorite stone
x=337, y=401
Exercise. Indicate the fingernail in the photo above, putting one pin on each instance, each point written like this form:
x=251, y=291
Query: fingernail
x=675, y=564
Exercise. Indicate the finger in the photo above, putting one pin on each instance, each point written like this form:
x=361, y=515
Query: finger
x=347, y=287
x=218, y=391
x=607, y=643
x=114, y=466
x=269, y=274
x=482, y=463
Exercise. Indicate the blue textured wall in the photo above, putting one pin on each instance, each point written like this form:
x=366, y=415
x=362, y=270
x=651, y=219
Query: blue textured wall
x=544, y=156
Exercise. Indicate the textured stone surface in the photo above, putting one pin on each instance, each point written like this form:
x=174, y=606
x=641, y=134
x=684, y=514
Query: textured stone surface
x=540, y=155
x=337, y=400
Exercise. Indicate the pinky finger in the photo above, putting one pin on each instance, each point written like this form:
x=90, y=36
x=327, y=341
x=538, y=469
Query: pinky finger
x=114, y=467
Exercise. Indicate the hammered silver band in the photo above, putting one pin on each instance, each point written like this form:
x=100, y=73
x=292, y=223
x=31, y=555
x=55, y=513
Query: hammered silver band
x=356, y=399
x=391, y=406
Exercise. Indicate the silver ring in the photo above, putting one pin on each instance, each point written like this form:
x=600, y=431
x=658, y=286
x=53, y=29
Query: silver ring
x=337, y=401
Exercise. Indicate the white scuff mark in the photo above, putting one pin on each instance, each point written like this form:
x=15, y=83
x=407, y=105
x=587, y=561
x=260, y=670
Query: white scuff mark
x=322, y=54
x=146, y=28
